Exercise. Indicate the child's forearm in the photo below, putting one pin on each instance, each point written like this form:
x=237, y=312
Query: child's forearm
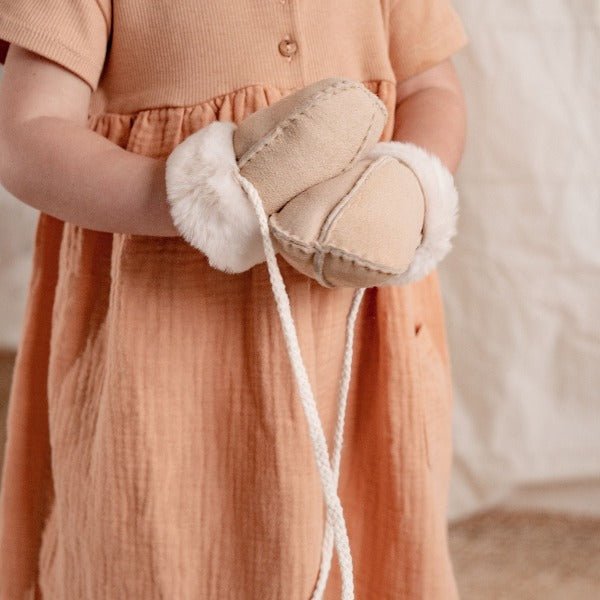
x=62, y=168
x=72, y=173
x=431, y=113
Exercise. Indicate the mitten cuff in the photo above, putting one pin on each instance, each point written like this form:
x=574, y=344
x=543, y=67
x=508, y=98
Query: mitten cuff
x=441, y=206
x=208, y=205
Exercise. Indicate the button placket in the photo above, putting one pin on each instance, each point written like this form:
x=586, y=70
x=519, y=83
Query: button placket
x=290, y=40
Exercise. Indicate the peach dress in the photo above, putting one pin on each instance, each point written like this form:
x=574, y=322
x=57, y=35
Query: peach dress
x=156, y=444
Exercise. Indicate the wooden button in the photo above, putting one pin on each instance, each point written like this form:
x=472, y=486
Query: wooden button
x=287, y=47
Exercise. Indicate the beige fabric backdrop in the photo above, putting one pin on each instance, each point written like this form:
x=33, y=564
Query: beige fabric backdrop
x=522, y=286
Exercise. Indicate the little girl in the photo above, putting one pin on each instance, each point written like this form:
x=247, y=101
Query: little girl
x=156, y=447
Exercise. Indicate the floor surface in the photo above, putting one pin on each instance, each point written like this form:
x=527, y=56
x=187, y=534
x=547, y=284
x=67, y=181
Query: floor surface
x=523, y=555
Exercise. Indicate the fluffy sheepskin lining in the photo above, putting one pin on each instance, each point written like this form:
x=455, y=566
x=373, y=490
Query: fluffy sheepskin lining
x=207, y=203
x=441, y=206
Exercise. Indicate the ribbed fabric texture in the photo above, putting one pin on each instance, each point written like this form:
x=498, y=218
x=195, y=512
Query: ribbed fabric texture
x=73, y=34
x=185, y=52
x=156, y=445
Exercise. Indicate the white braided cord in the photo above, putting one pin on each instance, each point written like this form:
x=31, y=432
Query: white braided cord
x=335, y=528
x=338, y=438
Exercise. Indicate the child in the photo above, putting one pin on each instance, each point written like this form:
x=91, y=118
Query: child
x=156, y=447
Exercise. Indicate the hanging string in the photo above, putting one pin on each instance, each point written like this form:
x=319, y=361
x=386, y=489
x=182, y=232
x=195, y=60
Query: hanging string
x=327, y=550
x=335, y=528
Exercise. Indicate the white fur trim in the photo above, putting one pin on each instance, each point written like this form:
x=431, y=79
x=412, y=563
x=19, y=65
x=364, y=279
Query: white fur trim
x=441, y=206
x=207, y=203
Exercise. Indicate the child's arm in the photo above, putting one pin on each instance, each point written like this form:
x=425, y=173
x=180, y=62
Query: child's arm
x=431, y=113
x=50, y=160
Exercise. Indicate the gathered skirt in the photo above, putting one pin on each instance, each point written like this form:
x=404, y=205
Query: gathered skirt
x=157, y=447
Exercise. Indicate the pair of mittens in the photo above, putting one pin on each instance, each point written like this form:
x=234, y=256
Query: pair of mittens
x=343, y=208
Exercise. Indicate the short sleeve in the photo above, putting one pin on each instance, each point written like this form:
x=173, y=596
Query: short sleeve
x=72, y=33
x=422, y=34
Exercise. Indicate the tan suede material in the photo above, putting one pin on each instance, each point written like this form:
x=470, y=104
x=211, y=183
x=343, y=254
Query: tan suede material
x=307, y=138
x=335, y=271
x=302, y=218
x=357, y=229
x=382, y=219
x=339, y=271
x=259, y=124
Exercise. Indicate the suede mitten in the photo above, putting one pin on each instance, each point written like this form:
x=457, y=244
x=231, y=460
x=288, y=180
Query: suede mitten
x=284, y=149
x=388, y=220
